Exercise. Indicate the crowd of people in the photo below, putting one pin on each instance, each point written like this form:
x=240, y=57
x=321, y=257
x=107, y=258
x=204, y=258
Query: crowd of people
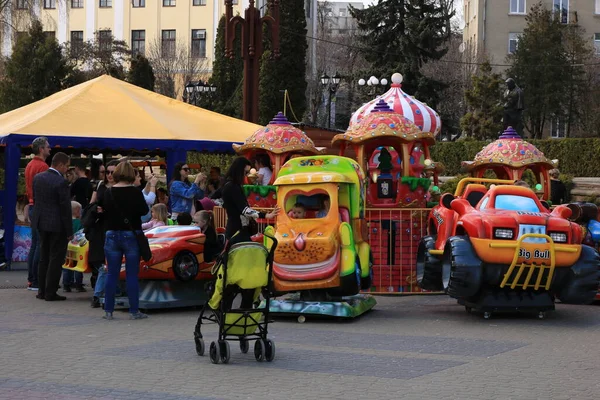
x=113, y=205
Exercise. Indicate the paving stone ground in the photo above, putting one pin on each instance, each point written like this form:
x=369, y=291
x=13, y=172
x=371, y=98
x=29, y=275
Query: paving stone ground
x=419, y=347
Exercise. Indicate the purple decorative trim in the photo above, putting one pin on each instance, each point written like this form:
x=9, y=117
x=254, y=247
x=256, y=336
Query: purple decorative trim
x=280, y=119
x=510, y=133
x=382, y=106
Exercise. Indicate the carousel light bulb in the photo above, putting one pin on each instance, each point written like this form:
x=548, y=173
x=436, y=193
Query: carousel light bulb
x=375, y=81
x=384, y=82
x=397, y=78
x=427, y=162
x=252, y=171
x=362, y=82
x=369, y=83
x=538, y=187
x=374, y=177
x=435, y=189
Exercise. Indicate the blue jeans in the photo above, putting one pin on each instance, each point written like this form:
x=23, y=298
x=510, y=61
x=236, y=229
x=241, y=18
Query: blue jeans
x=117, y=245
x=71, y=277
x=100, y=281
x=33, y=259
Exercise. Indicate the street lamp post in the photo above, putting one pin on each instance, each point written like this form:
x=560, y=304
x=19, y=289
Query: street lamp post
x=332, y=85
x=372, y=83
x=194, y=90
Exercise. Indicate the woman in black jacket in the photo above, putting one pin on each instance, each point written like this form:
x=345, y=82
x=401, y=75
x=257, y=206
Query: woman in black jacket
x=239, y=213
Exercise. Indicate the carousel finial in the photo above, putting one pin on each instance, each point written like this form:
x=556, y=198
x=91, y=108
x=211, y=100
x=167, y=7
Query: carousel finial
x=397, y=78
x=280, y=119
x=510, y=133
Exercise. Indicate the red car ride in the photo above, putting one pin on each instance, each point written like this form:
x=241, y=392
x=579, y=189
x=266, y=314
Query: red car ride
x=501, y=248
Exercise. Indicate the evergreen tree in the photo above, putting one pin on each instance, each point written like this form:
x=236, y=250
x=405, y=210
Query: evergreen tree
x=483, y=119
x=403, y=35
x=539, y=68
x=36, y=69
x=141, y=73
x=227, y=76
x=288, y=72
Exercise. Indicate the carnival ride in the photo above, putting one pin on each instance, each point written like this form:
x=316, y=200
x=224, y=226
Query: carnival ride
x=175, y=275
x=280, y=141
x=500, y=249
x=324, y=256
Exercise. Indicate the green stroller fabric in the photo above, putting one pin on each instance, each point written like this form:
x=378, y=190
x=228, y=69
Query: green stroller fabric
x=247, y=267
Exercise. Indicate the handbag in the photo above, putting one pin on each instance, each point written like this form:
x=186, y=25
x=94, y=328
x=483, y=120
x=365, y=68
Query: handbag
x=142, y=240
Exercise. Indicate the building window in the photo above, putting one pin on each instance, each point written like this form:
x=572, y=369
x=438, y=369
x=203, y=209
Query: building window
x=342, y=12
x=138, y=42
x=198, y=43
x=561, y=8
x=138, y=3
x=105, y=40
x=76, y=43
x=199, y=2
x=105, y=3
x=597, y=42
x=168, y=3
x=517, y=6
x=168, y=43
x=597, y=7
x=21, y=4
x=49, y=4
x=558, y=128
x=50, y=34
x=513, y=41
x=76, y=3
x=234, y=2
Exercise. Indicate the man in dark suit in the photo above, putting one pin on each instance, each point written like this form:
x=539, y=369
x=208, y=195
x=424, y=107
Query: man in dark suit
x=52, y=218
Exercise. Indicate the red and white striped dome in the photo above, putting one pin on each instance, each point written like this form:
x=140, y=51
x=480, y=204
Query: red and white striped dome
x=426, y=118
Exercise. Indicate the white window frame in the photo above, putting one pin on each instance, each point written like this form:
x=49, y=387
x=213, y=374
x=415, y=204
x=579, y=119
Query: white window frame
x=597, y=42
x=561, y=4
x=555, y=128
x=513, y=36
x=517, y=7
x=198, y=39
x=138, y=3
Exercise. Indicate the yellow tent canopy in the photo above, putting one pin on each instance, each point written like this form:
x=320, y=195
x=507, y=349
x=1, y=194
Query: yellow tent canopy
x=107, y=107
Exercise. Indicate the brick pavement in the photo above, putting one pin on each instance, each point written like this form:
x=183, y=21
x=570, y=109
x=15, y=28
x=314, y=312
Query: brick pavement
x=424, y=347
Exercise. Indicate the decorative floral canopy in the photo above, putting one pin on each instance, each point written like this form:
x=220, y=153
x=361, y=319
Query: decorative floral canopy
x=278, y=137
x=423, y=116
x=509, y=150
x=382, y=121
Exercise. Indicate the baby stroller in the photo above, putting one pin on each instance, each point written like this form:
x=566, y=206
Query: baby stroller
x=245, y=267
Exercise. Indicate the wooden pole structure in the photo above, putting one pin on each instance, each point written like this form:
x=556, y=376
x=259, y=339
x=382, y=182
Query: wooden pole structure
x=252, y=48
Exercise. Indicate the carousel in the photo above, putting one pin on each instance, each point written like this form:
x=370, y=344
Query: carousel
x=510, y=157
x=391, y=137
x=280, y=141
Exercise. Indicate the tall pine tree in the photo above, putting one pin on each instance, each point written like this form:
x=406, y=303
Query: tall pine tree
x=227, y=76
x=288, y=72
x=140, y=73
x=401, y=36
x=36, y=69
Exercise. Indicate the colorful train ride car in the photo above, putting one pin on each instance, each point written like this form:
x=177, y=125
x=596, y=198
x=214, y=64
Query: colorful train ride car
x=326, y=248
x=485, y=246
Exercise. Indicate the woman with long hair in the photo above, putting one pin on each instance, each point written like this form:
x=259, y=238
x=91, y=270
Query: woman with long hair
x=123, y=206
x=238, y=211
x=182, y=193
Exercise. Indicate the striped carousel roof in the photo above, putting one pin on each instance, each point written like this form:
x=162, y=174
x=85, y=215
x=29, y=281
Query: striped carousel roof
x=424, y=117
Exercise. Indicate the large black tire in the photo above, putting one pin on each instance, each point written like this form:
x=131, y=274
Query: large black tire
x=429, y=267
x=461, y=268
x=582, y=283
x=185, y=266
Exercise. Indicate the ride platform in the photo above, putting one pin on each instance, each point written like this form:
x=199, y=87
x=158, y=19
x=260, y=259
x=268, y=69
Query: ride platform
x=155, y=294
x=491, y=302
x=303, y=306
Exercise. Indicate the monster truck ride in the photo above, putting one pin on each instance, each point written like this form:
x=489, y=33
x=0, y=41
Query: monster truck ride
x=501, y=249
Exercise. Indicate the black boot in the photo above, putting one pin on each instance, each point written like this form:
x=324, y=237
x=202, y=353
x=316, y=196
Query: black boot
x=95, y=302
x=79, y=288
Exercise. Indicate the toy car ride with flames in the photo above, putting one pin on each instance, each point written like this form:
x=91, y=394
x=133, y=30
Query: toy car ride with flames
x=500, y=249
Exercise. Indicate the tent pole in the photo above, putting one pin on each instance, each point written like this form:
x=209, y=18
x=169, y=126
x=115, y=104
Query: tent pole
x=9, y=206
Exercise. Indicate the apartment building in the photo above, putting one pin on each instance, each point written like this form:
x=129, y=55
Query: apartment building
x=494, y=26
x=338, y=20
x=140, y=23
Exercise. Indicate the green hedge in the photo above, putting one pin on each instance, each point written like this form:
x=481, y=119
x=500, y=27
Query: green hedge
x=577, y=157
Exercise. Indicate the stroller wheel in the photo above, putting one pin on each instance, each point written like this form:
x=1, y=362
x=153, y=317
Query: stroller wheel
x=259, y=350
x=270, y=350
x=214, y=353
x=199, y=346
x=244, y=346
x=225, y=352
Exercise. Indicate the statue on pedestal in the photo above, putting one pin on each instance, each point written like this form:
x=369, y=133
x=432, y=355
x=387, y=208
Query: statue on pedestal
x=513, y=106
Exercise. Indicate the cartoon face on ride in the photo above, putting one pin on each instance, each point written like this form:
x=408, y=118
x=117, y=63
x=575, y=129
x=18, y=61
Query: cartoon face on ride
x=320, y=231
x=504, y=238
x=177, y=254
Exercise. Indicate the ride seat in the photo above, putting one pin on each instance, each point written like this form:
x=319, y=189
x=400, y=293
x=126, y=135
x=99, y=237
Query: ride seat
x=474, y=193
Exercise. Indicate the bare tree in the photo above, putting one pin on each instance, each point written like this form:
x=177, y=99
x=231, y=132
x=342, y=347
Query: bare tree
x=173, y=63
